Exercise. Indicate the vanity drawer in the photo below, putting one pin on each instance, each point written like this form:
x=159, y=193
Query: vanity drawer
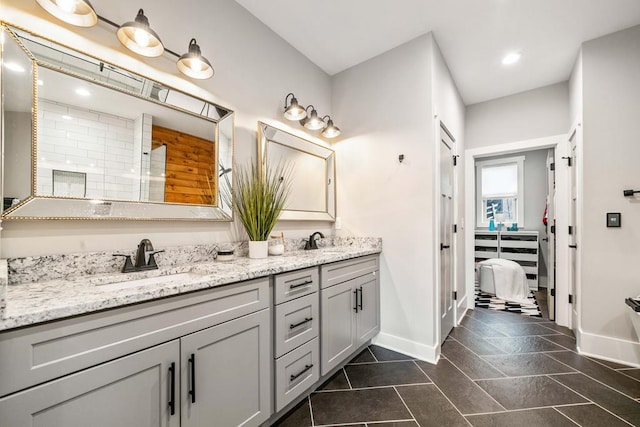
x=338, y=272
x=297, y=322
x=296, y=284
x=36, y=354
x=297, y=371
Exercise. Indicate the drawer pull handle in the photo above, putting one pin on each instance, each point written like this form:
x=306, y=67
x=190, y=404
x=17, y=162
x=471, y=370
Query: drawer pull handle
x=306, y=368
x=192, y=372
x=299, y=285
x=306, y=320
x=172, y=388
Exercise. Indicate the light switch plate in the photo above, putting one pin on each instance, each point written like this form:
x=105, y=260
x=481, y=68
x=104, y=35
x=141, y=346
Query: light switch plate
x=614, y=219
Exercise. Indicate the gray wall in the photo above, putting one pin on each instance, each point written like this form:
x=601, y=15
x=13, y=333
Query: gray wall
x=535, y=197
x=611, y=161
x=533, y=114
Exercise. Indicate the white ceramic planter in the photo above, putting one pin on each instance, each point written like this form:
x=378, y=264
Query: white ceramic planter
x=258, y=250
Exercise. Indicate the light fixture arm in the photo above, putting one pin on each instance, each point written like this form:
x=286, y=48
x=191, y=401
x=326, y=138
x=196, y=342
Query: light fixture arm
x=286, y=98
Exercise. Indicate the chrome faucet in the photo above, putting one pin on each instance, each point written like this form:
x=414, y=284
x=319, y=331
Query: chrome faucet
x=311, y=243
x=145, y=249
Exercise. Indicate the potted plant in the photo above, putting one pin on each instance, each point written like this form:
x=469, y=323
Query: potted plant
x=257, y=198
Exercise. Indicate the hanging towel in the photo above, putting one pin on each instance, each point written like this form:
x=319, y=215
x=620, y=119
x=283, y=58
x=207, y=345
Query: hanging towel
x=509, y=279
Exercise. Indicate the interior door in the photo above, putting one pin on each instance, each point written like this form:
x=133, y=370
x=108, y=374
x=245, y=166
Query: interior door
x=551, y=238
x=573, y=229
x=447, y=303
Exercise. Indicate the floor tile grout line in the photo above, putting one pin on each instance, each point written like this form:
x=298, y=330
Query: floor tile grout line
x=379, y=362
x=469, y=378
x=406, y=406
x=595, y=379
x=568, y=349
x=602, y=364
x=621, y=371
x=630, y=368
x=374, y=356
x=311, y=411
x=590, y=401
x=480, y=357
x=565, y=415
x=347, y=377
x=375, y=387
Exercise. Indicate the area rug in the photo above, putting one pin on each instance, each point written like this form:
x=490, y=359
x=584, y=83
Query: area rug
x=489, y=301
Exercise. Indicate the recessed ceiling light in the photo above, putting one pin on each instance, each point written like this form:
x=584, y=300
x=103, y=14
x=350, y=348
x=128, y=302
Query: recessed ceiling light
x=511, y=58
x=14, y=67
x=83, y=92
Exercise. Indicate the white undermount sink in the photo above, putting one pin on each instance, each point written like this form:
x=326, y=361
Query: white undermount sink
x=156, y=280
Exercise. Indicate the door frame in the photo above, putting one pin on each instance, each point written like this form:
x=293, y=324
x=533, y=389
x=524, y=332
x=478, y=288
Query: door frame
x=576, y=130
x=452, y=217
x=559, y=143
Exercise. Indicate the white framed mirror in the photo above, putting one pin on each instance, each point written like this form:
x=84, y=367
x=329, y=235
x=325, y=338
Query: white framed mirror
x=313, y=189
x=89, y=140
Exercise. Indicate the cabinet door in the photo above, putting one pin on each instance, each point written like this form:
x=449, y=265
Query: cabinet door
x=338, y=324
x=133, y=391
x=226, y=373
x=368, y=317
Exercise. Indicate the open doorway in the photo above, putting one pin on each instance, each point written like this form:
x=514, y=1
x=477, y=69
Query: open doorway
x=530, y=204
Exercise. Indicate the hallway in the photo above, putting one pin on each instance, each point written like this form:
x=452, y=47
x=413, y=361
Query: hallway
x=497, y=369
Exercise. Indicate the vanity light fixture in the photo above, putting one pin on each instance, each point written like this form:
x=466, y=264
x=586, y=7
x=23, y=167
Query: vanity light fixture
x=293, y=111
x=74, y=12
x=138, y=36
x=312, y=121
x=193, y=64
x=330, y=130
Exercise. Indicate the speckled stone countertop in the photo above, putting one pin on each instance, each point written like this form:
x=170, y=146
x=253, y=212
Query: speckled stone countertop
x=41, y=301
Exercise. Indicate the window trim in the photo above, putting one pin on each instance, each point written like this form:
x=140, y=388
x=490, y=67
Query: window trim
x=519, y=161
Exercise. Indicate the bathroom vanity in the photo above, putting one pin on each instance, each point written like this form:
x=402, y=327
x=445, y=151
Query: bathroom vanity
x=234, y=343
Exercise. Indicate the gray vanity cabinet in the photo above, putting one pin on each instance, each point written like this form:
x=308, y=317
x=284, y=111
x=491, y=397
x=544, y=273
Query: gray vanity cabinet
x=225, y=373
x=131, y=391
x=349, y=307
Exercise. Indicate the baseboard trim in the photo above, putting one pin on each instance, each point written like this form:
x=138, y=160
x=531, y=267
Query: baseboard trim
x=607, y=348
x=410, y=348
x=461, y=310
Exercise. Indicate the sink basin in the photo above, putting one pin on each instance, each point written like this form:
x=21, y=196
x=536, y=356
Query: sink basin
x=157, y=280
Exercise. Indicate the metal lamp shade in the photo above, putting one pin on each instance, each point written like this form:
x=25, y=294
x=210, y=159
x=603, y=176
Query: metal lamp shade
x=75, y=12
x=193, y=64
x=138, y=37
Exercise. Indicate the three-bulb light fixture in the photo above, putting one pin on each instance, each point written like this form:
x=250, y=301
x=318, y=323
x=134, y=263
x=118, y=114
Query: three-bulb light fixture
x=310, y=120
x=136, y=35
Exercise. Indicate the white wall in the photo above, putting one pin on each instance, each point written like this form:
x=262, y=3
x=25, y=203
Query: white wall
x=528, y=115
x=255, y=69
x=611, y=91
x=535, y=197
x=388, y=104
x=575, y=91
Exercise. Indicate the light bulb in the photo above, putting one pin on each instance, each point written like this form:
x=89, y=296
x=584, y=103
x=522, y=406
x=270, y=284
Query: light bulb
x=195, y=64
x=142, y=38
x=68, y=6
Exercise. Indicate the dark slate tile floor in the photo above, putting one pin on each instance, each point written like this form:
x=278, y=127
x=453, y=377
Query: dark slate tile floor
x=497, y=369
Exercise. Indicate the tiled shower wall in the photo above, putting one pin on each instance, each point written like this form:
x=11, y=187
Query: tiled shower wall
x=97, y=144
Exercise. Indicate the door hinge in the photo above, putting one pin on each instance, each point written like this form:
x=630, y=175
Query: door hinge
x=570, y=299
x=455, y=228
x=568, y=160
x=455, y=295
x=570, y=230
x=455, y=160
x=553, y=292
x=552, y=166
x=553, y=229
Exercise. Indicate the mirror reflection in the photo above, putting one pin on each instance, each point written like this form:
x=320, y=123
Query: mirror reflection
x=108, y=140
x=312, y=194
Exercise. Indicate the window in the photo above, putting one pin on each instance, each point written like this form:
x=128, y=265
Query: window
x=499, y=191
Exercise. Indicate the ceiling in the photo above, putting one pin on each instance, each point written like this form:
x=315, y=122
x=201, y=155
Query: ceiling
x=474, y=35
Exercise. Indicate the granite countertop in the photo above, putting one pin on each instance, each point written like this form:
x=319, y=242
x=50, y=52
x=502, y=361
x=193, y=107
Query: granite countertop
x=31, y=303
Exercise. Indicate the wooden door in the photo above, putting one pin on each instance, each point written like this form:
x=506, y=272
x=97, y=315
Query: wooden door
x=447, y=303
x=133, y=391
x=226, y=373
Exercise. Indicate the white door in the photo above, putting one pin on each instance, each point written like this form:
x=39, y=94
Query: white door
x=447, y=303
x=573, y=229
x=551, y=239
